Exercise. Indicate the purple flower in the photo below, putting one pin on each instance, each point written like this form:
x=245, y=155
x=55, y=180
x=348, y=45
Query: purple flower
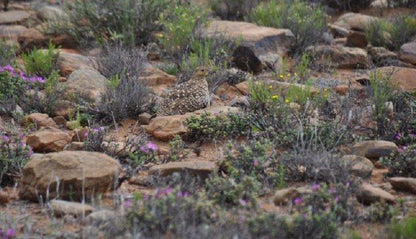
x=255, y=162
x=398, y=136
x=5, y=138
x=315, y=186
x=8, y=68
x=86, y=134
x=151, y=146
x=168, y=190
x=401, y=149
x=186, y=194
x=336, y=199
x=242, y=202
x=297, y=201
x=21, y=136
x=10, y=233
x=331, y=190
x=412, y=135
x=179, y=194
x=348, y=184
x=127, y=204
x=144, y=149
x=22, y=144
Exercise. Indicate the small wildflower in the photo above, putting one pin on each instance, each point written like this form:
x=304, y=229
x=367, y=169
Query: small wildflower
x=331, y=190
x=151, y=146
x=21, y=136
x=326, y=89
x=8, y=68
x=168, y=190
x=281, y=76
x=348, y=184
x=412, y=135
x=315, y=186
x=336, y=199
x=289, y=75
x=86, y=134
x=297, y=201
x=287, y=101
x=127, y=204
x=270, y=87
x=144, y=149
x=255, y=162
x=11, y=232
x=398, y=136
x=274, y=97
x=179, y=194
x=242, y=202
x=5, y=138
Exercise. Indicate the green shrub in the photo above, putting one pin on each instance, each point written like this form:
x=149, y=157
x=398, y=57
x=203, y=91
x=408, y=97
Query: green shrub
x=342, y=5
x=403, y=229
x=14, y=154
x=391, y=33
x=179, y=27
x=227, y=191
x=126, y=21
x=41, y=62
x=402, y=164
x=307, y=23
x=7, y=53
x=220, y=127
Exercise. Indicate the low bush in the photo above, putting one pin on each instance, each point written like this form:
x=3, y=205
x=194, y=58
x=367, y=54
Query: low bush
x=345, y=5
x=220, y=127
x=7, y=52
x=126, y=21
x=402, y=164
x=405, y=228
x=307, y=23
x=391, y=33
x=14, y=154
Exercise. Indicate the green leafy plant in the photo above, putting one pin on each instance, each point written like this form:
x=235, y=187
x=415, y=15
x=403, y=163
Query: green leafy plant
x=405, y=228
x=41, y=62
x=7, y=52
x=216, y=127
x=307, y=23
x=402, y=164
x=177, y=149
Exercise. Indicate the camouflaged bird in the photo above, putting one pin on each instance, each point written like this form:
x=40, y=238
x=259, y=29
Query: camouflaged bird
x=188, y=96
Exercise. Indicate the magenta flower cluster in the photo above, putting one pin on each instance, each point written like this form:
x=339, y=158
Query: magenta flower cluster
x=10, y=233
x=168, y=191
x=150, y=147
x=21, y=74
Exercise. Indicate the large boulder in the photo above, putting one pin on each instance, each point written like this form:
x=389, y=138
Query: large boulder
x=70, y=62
x=339, y=56
x=369, y=194
x=16, y=16
x=374, y=149
x=355, y=21
x=86, y=84
x=259, y=47
x=403, y=77
x=70, y=175
x=408, y=53
x=50, y=13
x=403, y=184
x=48, y=140
x=359, y=165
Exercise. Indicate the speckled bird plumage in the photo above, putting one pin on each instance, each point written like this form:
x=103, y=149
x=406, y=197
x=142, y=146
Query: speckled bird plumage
x=188, y=96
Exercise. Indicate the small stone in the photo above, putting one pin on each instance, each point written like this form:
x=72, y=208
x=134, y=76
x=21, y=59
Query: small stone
x=144, y=118
x=197, y=168
x=61, y=208
x=76, y=146
x=4, y=198
x=59, y=120
x=408, y=53
x=48, y=140
x=41, y=120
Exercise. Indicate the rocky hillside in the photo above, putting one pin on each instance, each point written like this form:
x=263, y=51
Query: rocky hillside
x=208, y=119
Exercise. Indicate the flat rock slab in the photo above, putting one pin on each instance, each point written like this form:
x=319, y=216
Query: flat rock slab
x=196, y=168
x=70, y=62
x=355, y=21
x=369, y=194
x=13, y=17
x=259, y=45
x=404, y=184
x=374, y=149
x=11, y=31
x=339, y=56
x=41, y=120
x=61, y=208
x=70, y=175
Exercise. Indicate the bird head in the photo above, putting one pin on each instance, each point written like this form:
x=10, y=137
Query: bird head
x=201, y=71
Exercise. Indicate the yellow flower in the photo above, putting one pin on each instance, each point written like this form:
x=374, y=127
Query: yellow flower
x=325, y=89
x=274, y=97
x=289, y=75
x=296, y=74
x=281, y=76
x=270, y=87
x=287, y=101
